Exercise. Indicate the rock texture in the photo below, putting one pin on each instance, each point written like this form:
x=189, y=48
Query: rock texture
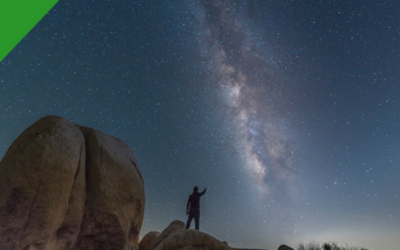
x=115, y=195
x=149, y=241
x=172, y=227
x=176, y=237
x=191, y=239
x=63, y=186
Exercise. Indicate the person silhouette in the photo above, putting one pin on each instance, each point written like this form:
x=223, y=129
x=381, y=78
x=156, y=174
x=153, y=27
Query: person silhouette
x=193, y=207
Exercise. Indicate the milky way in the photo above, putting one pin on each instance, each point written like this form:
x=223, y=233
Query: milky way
x=247, y=86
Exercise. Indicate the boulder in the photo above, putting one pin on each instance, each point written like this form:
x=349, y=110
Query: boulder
x=284, y=247
x=149, y=240
x=42, y=187
x=63, y=186
x=172, y=227
x=176, y=237
x=115, y=195
x=191, y=239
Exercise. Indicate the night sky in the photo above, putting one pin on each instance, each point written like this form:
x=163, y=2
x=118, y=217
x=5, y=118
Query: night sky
x=288, y=111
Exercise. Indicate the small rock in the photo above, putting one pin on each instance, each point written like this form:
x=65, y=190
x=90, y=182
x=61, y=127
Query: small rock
x=284, y=247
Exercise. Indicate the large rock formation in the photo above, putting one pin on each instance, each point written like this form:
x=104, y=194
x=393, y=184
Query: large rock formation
x=63, y=186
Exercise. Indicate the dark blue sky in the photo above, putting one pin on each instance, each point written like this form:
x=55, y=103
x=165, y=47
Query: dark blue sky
x=288, y=111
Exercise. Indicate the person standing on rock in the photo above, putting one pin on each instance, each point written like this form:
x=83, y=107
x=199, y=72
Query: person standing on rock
x=193, y=207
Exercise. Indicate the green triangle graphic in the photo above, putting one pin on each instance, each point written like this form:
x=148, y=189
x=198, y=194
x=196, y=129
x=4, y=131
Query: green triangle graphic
x=17, y=18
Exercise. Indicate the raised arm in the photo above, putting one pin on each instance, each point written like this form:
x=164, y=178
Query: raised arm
x=204, y=191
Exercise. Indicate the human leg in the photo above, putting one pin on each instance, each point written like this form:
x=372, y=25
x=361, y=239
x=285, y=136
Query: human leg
x=197, y=219
x=189, y=220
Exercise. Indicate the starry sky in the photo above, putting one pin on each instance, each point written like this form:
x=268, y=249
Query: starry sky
x=287, y=111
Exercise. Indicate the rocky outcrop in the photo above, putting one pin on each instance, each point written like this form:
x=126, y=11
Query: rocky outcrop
x=149, y=241
x=172, y=227
x=63, y=186
x=191, y=239
x=176, y=237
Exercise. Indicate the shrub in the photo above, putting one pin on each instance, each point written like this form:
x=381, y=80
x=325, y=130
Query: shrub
x=327, y=246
